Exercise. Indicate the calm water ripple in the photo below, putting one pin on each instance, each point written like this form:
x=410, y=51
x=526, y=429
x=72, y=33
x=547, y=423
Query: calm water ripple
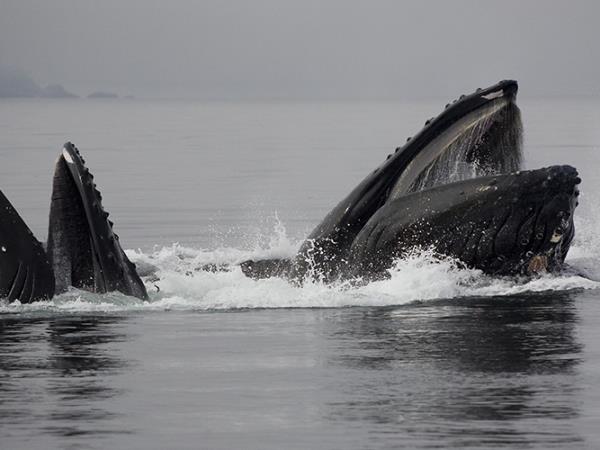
x=493, y=372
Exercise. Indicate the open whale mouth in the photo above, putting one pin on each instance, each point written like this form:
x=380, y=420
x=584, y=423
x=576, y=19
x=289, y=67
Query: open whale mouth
x=478, y=134
x=82, y=246
x=82, y=249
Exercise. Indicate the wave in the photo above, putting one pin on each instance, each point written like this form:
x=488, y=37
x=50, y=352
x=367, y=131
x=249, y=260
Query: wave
x=176, y=280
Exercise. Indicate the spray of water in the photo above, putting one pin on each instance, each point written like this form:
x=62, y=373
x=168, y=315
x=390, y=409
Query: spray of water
x=178, y=281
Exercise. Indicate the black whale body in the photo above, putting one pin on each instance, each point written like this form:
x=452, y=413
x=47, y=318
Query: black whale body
x=477, y=135
x=82, y=251
x=25, y=272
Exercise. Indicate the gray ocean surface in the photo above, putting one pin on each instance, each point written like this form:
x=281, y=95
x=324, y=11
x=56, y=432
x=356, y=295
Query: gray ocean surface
x=435, y=357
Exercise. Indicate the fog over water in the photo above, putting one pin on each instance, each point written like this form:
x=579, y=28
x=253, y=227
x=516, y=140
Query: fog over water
x=313, y=49
x=251, y=121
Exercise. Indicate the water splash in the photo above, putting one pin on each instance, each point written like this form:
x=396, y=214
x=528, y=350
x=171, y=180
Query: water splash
x=183, y=284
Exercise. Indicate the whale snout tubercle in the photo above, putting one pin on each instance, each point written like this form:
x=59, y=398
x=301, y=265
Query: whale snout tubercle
x=538, y=264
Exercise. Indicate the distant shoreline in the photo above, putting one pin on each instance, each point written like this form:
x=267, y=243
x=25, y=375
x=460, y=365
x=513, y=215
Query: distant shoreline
x=15, y=83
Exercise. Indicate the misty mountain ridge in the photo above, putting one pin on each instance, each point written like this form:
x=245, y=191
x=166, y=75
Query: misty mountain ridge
x=16, y=83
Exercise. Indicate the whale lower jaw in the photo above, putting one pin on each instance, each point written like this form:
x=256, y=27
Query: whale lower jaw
x=82, y=250
x=516, y=224
x=25, y=272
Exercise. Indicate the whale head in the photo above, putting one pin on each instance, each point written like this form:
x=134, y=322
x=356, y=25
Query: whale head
x=476, y=135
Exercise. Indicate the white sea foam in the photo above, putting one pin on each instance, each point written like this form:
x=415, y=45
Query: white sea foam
x=175, y=280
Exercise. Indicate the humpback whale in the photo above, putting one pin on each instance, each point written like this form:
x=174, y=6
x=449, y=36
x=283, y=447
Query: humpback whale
x=416, y=198
x=82, y=249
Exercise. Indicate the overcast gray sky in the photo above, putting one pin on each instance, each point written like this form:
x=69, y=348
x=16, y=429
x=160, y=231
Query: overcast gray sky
x=305, y=48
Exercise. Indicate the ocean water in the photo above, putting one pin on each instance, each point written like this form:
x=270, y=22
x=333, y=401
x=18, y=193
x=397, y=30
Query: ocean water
x=435, y=357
